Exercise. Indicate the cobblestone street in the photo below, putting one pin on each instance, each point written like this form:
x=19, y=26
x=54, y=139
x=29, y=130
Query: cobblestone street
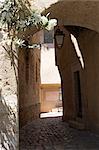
x=53, y=134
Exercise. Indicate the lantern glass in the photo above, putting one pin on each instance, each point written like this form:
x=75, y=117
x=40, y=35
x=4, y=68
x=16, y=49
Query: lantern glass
x=59, y=38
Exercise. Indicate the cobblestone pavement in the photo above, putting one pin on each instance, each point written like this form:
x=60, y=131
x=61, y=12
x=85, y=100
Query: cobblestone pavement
x=53, y=134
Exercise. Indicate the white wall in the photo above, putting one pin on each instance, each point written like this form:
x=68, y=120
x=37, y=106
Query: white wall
x=49, y=72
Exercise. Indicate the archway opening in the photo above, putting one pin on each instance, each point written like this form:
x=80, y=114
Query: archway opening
x=50, y=88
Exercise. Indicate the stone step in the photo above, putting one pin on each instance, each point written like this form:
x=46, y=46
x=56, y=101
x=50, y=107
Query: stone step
x=77, y=124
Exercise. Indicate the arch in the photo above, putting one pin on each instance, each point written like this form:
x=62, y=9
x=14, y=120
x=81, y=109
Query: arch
x=74, y=12
x=78, y=80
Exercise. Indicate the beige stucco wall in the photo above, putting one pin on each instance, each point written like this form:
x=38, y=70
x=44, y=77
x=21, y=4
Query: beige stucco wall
x=29, y=80
x=68, y=63
x=75, y=12
x=8, y=104
x=63, y=59
x=88, y=41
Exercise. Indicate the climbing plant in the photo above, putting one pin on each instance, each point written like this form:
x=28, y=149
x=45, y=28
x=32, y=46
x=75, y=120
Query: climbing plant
x=15, y=17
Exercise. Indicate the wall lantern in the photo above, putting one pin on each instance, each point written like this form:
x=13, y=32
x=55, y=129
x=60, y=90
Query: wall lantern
x=59, y=38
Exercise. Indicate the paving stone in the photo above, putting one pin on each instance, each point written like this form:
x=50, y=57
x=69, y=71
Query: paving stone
x=53, y=134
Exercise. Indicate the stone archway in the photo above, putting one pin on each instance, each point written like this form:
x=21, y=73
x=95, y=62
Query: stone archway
x=78, y=13
x=83, y=15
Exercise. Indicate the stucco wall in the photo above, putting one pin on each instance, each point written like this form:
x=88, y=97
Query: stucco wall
x=49, y=71
x=68, y=63
x=83, y=13
x=75, y=12
x=63, y=61
x=29, y=80
x=89, y=44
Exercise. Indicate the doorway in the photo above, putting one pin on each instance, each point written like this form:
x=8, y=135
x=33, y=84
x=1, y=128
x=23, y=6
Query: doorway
x=77, y=91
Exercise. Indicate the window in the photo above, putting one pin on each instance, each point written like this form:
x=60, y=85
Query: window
x=48, y=37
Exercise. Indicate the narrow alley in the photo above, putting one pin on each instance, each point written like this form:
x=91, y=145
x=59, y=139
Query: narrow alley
x=53, y=134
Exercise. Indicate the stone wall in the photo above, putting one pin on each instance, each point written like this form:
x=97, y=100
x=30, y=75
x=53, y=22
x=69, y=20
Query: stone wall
x=8, y=104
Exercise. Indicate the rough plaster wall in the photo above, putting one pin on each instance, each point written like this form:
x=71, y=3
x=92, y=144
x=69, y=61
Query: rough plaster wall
x=42, y=4
x=28, y=87
x=68, y=63
x=83, y=13
x=64, y=63
x=89, y=44
x=29, y=81
x=8, y=104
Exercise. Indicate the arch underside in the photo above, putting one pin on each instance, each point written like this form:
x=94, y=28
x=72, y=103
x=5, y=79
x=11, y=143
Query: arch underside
x=78, y=13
